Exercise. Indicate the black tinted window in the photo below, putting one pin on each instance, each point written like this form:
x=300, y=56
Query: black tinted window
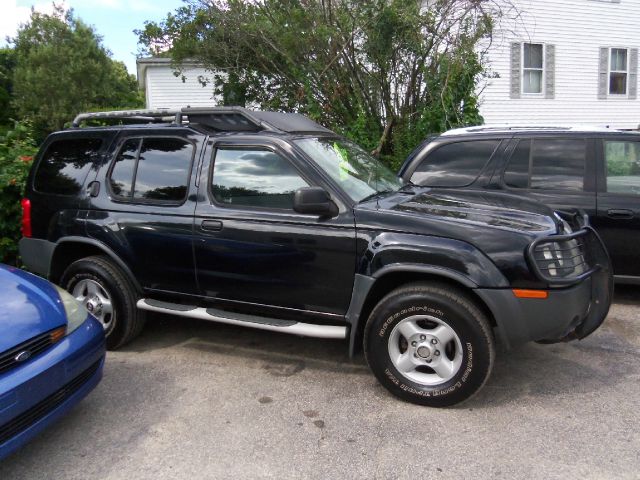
x=454, y=165
x=122, y=173
x=256, y=178
x=163, y=169
x=65, y=165
x=156, y=170
x=547, y=164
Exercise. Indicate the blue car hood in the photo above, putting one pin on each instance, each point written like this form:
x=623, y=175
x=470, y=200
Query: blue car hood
x=29, y=306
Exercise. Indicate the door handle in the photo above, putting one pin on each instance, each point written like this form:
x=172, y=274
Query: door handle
x=620, y=213
x=93, y=189
x=211, y=225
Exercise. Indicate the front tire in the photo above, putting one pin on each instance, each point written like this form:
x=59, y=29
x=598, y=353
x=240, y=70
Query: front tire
x=429, y=344
x=108, y=294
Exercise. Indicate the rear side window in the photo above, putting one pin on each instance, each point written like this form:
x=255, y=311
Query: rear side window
x=548, y=164
x=455, y=164
x=622, y=161
x=254, y=178
x=152, y=169
x=65, y=164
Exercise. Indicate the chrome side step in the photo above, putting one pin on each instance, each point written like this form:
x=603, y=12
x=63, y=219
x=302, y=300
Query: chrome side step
x=232, y=318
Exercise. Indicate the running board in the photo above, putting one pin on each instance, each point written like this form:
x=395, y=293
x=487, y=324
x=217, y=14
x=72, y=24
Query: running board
x=252, y=321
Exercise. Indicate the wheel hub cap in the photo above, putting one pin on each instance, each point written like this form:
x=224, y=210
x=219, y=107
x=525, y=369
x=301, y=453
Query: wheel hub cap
x=97, y=300
x=425, y=350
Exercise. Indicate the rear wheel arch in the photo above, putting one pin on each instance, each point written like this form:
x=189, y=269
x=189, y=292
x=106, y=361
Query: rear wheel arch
x=71, y=249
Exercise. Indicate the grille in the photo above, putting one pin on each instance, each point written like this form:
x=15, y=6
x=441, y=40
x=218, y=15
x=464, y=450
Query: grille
x=35, y=413
x=563, y=258
x=33, y=346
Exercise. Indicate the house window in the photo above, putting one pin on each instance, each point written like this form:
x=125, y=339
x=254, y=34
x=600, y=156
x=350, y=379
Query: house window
x=532, y=68
x=618, y=71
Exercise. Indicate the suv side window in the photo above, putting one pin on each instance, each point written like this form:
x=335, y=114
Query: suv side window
x=455, y=164
x=547, y=164
x=152, y=169
x=65, y=164
x=622, y=162
x=254, y=177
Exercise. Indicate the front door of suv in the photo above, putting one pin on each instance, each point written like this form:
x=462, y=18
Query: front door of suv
x=252, y=250
x=618, y=218
x=555, y=170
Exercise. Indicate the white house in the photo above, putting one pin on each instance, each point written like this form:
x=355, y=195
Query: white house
x=164, y=89
x=564, y=62
x=553, y=62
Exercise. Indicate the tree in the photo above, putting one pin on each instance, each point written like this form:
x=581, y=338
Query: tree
x=62, y=68
x=383, y=72
x=7, y=65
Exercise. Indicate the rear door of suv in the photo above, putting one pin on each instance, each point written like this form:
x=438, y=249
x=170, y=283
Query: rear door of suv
x=618, y=217
x=145, y=203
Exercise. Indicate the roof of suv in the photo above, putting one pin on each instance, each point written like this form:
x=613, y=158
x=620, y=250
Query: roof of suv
x=511, y=129
x=219, y=119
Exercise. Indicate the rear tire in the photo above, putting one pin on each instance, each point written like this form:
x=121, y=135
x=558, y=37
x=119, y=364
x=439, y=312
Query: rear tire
x=429, y=344
x=109, y=295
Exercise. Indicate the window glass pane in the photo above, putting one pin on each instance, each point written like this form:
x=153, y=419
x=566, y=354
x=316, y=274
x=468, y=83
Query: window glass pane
x=558, y=163
x=623, y=166
x=454, y=165
x=532, y=81
x=122, y=173
x=163, y=169
x=619, y=59
x=532, y=55
x=618, y=84
x=255, y=178
x=517, y=172
x=65, y=165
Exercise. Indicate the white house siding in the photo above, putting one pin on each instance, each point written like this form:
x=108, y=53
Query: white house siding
x=165, y=90
x=577, y=29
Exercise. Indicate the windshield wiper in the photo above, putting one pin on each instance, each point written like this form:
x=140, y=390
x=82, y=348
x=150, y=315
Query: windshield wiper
x=374, y=195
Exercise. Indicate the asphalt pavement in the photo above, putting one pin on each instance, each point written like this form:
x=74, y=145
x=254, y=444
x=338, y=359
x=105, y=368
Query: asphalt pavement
x=197, y=400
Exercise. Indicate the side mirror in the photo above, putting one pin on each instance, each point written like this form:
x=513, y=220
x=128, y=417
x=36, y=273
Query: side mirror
x=314, y=200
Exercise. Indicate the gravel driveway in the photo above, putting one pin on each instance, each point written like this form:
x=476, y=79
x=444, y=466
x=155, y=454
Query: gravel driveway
x=196, y=400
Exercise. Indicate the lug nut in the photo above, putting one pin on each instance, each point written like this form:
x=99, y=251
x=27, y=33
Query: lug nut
x=434, y=341
x=422, y=337
x=414, y=343
x=428, y=360
x=437, y=352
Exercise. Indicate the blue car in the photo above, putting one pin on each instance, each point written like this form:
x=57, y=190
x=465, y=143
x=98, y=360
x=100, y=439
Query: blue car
x=51, y=355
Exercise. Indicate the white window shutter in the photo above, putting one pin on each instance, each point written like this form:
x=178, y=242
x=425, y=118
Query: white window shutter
x=603, y=73
x=633, y=73
x=516, y=62
x=550, y=71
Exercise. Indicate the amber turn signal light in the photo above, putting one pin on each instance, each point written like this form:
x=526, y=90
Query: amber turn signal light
x=521, y=293
x=58, y=334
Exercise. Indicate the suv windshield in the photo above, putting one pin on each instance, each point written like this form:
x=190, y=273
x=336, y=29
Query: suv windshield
x=357, y=172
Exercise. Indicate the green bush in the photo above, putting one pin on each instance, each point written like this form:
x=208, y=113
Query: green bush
x=17, y=149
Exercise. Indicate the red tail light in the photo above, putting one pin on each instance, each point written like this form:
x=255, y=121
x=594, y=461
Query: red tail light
x=26, y=217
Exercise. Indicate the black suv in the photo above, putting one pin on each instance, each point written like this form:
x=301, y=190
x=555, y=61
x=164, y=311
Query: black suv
x=271, y=221
x=593, y=169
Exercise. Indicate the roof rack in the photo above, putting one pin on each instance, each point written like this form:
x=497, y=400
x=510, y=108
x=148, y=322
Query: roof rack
x=526, y=128
x=218, y=118
x=237, y=119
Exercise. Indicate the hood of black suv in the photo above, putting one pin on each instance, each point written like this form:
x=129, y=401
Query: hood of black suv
x=472, y=208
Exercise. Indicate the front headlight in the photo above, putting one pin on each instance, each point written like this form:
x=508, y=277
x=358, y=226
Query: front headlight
x=76, y=313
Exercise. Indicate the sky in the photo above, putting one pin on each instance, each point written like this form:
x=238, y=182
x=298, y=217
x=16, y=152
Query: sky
x=114, y=20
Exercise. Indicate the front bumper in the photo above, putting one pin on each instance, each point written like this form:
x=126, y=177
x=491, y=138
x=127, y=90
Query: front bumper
x=569, y=313
x=36, y=394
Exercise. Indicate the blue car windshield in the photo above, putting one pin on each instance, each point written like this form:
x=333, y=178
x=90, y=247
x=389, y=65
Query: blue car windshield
x=359, y=174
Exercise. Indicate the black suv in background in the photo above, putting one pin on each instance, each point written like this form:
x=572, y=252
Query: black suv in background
x=593, y=169
x=271, y=221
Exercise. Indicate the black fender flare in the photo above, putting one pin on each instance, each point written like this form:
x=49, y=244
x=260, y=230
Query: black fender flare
x=105, y=249
x=392, y=252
